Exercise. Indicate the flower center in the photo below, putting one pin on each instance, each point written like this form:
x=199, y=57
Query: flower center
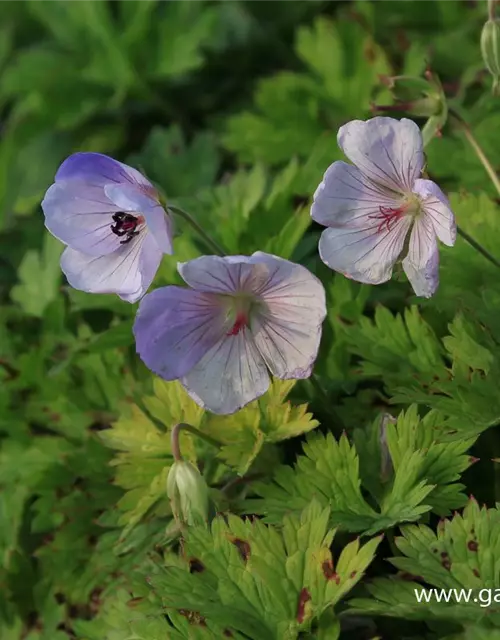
x=126, y=225
x=239, y=324
x=389, y=216
x=239, y=310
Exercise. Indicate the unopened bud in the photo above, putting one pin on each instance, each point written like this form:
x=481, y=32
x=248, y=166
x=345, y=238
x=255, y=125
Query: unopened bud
x=407, y=89
x=188, y=493
x=490, y=48
x=419, y=97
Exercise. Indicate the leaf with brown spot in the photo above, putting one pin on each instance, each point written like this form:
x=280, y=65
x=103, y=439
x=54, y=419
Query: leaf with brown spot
x=304, y=598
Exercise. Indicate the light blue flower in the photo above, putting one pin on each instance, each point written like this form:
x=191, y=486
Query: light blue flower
x=238, y=318
x=110, y=218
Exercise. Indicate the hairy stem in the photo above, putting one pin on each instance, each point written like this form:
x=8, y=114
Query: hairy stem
x=491, y=9
x=478, y=247
x=457, y=119
x=189, y=218
x=240, y=481
x=174, y=438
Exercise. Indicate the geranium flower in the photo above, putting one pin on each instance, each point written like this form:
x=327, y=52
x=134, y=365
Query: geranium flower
x=240, y=317
x=371, y=207
x=110, y=218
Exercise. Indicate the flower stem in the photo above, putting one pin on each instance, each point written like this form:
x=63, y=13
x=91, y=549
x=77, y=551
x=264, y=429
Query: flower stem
x=189, y=218
x=478, y=247
x=477, y=148
x=491, y=9
x=240, y=481
x=174, y=439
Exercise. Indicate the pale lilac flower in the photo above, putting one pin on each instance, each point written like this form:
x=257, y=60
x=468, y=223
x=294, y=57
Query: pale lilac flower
x=110, y=218
x=239, y=317
x=380, y=208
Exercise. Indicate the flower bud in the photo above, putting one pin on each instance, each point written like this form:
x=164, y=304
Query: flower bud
x=420, y=97
x=414, y=95
x=490, y=48
x=188, y=493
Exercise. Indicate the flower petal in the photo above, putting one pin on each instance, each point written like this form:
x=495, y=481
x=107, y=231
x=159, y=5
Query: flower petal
x=364, y=254
x=175, y=327
x=160, y=227
x=235, y=274
x=98, y=169
x=388, y=151
x=436, y=206
x=81, y=216
x=346, y=196
x=288, y=279
x=229, y=376
x=216, y=274
x=149, y=261
x=117, y=272
x=129, y=197
x=287, y=327
x=421, y=265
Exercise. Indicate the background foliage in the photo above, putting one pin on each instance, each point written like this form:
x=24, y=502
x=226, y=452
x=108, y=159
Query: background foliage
x=233, y=108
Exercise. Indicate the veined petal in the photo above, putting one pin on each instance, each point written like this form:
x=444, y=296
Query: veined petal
x=287, y=324
x=160, y=228
x=436, y=207
x=129, y=197
x=175, y=327
x=388, y=151
x=230, y=375
x=117, y=272
x=291, y=281
x=214, y=274
x=81, y=216
x=98, y=169
x=149, y=261
x=366, y=254
x=289, y=347
x=347, y=196
x=421, y=265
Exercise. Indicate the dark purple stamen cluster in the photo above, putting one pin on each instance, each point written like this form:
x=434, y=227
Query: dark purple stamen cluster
x=125, y=225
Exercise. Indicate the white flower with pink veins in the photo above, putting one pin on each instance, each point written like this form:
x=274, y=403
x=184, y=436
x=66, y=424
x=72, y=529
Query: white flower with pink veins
x=379, y=207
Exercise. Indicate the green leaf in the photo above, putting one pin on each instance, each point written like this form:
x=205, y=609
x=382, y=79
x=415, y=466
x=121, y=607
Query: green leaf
x=246, y=566
x=453, y=162
x=468, y=280
x=421, y=477
x=184, y=31
x=39, y=274
x=269, y=419
x=12, y=506
x=135, y=21
x=227, y=208
x=180, y=169
x=87, y=27
x=460, y=555
x=144, y=453
x=293, y=109
x=21, y=189
x=119, y=335
x=250, y=211
x=443, y=462
x=285, y=98
x=414, y=366
x=345, y=60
